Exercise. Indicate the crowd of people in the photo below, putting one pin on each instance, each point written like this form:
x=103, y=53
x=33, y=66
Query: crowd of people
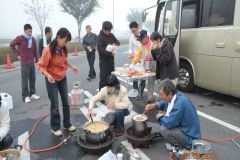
x=177, y=116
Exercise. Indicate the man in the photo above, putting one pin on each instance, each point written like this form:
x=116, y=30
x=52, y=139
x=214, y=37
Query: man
x=164, y=55
x=106, y=56
x=116, y=98
x=45, y=40
x=89, y=44
x=134, y=44
x=26, y=52
x=5, y=138
x=143, y=51
x=178, y=119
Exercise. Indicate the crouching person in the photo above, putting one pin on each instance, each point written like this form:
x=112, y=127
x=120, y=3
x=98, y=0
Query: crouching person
x=5, y=138
x=177, y=116
x=116, y=98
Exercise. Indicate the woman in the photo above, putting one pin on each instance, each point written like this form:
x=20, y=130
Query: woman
x=5, y=138
x=164, y=55
x=116, y=96
x=53, y=65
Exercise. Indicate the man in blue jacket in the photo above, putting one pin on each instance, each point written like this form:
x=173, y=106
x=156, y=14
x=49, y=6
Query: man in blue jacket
x=179, y=122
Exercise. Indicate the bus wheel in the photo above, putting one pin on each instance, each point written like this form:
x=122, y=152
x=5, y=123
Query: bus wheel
x=185, y=82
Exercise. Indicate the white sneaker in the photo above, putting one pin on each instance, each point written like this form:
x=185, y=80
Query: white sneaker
x=71, y=129
x=27, y=100
x=35, y=97
x=57, y=133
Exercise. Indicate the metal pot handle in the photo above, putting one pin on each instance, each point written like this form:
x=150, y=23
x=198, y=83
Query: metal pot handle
x=18, y=147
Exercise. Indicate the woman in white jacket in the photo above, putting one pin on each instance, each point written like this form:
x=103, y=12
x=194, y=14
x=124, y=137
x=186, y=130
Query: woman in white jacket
x=116, y=98
x=5, y=138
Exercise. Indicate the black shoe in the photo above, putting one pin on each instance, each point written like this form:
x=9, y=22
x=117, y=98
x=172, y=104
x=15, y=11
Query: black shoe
x=93, y=77
x=89, y=79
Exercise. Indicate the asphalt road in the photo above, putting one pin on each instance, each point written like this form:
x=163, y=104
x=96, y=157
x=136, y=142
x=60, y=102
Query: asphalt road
x=222, y=107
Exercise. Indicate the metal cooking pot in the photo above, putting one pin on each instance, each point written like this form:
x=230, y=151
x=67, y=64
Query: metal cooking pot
x=139, y=124
x=98, y=136
x=12, y=154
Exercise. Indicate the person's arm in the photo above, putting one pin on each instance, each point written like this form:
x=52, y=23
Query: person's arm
x=101, y=49
x=174, y=117
x=99, y=96
x=154, y=53
x=125, y=102
x=84, y=43
x=5, y=121
x=137, y=56
x=35, y=50
x=13, y=45
x=95, y=41
x=40, y=47
x=115, y=40
x=73, y=67
x=131, y=47
x=161, y=105
x=165, y=55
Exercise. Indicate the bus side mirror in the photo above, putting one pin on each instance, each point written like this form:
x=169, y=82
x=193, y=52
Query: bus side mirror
x=144, y=16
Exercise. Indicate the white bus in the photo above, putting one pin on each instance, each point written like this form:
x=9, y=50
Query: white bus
x=206, y=39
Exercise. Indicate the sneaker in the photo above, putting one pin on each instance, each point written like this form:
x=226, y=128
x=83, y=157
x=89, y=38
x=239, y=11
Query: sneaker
x=89, y=79
x=57, y=133
x=71, y=129
x=27, y=100
x=35, y=97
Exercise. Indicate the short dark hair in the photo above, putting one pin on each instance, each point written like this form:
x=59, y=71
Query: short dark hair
x=27, y=26
x=107, y=25
x=88, y=26
x=168, y=87
x=48, y=30
x=156, y=36
x=133, y=24
x=112, y=81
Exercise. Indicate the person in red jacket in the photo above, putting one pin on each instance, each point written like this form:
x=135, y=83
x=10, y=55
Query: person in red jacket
x=26, y=53
x=53, y=65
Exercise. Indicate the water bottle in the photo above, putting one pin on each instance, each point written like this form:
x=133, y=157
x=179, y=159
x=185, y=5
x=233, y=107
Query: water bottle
x=148, y=63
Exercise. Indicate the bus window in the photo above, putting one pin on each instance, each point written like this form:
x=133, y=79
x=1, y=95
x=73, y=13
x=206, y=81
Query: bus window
x=150, y=20
x=171, y=18
x=218, y=12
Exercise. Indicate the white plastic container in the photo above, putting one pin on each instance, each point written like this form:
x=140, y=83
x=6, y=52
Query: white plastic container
x=7, y=98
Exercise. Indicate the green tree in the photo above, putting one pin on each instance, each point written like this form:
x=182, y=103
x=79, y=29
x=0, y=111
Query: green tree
x=80, y=10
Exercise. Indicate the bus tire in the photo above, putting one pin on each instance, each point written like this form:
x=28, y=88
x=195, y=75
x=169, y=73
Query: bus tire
x=186, y=80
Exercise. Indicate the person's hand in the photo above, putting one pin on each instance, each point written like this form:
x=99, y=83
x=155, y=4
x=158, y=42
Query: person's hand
x=50, y=79
x=19, y=58
x=149, y=107
x=90, y=113
x=75, y=70
x=160, y=114
x=110, y=106
x=130, y=55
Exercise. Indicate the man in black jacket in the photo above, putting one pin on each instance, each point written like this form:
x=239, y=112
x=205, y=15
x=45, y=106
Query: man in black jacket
x=164, y=55
x=44, y=41
x=89, y=44
x=106, y=55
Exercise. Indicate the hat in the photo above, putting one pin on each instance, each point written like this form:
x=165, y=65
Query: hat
x=142, y=34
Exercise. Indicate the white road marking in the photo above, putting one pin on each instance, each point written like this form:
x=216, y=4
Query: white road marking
x=218, y=121
x=25, y=155
x=211, y=118
x=130, y=148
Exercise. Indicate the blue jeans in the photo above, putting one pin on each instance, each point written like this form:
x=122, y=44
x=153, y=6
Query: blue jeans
x=120, y=115
x=53, y=89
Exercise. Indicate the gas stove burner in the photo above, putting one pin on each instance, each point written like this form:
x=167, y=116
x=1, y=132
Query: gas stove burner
x=141, y=142
x=96, y=148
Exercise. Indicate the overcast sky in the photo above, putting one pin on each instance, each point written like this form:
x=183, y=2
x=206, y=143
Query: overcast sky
x=12, y=17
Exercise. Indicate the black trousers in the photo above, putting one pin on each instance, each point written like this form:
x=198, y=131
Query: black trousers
x=28, y=79
x=105, y=71
x=53, y=89
x=6, y=142
x=91, y=59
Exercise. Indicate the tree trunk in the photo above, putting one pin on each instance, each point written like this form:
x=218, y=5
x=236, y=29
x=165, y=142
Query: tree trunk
x=79, y=31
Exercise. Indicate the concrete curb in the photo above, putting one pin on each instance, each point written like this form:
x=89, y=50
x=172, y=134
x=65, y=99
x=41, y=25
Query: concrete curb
x=17, y=63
